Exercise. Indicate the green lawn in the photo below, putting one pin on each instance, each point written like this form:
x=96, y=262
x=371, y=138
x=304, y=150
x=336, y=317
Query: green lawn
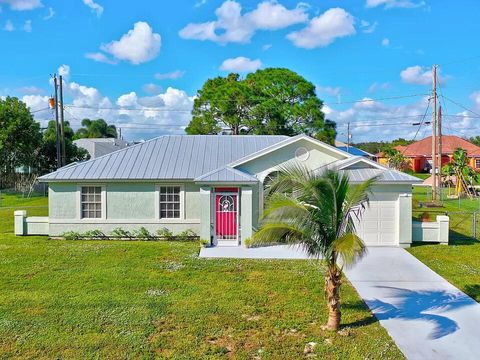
x=113, y=299
x=459, y=262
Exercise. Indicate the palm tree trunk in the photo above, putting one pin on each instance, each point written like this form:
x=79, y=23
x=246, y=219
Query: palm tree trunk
x=332, y=291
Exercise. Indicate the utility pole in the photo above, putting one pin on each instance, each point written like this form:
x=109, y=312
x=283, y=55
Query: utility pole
x=62, y=127
x=348, y=137
x=439, y=163
x=57, y=125
x=434, y=133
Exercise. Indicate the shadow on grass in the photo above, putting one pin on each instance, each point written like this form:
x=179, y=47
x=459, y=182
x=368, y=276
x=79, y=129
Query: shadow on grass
x=473, y=291
x=457, y=238
x=358, y=306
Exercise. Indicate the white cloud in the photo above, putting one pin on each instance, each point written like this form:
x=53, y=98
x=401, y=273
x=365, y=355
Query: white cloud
x=386, y=42
x=87, y=96
x=165, y=112
x=332, y=91
x=367, y=27
x=9, y=26
x=270, y=15
x=475, y=96
x=100, y=57
x=51, y=13
x=64, y=70
x=27, y=26
x=152, y=88
x=31, y=90
x=173, y=75
x=324, y=29
x=266, y=47
x=35, y=101
x=420, y=75
x=241, y=64
x=22, y=5
x=388, y=4
x=154, y=112
x=200, y=3
x=232, y=26
x=95, y=7
x=372, y=119
x=379, y=87
x=138, y=45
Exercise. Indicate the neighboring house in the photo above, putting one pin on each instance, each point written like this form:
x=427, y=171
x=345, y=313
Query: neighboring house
x=101, y=146
x=353, y=150
x=213, y=185
x=419, y=153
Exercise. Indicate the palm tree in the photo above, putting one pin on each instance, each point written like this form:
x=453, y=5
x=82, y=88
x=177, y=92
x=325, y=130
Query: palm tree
x=458, y=166
x=396, y=160
x=317, y=211
x=96, y=129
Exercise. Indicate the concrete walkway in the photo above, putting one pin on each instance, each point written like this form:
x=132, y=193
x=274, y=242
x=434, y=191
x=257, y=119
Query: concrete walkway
x=264, y=252
x=427, y=317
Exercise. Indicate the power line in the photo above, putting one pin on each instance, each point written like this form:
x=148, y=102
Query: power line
x=462, y=106
x=230, y=100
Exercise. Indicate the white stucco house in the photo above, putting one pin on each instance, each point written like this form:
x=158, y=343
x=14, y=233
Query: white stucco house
x=97, y=147
x=213, y=185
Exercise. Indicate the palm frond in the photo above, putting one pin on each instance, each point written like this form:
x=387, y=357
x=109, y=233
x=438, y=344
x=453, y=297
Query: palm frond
x=349, y=248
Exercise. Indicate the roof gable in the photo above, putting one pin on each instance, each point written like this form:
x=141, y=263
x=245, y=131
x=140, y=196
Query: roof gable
x=226, y=174
x=286, y=142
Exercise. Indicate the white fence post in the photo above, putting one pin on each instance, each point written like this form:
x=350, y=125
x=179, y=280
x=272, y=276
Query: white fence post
x=443, y=229
x=20, y=226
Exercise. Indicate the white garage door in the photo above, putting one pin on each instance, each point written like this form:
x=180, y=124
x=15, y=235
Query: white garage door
x=378, y=225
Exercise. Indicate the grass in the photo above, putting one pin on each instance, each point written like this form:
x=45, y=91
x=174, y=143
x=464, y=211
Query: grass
x=459, y=262
x=114, y=299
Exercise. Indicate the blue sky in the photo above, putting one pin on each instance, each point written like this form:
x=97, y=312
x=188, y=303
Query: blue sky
x=154, y=56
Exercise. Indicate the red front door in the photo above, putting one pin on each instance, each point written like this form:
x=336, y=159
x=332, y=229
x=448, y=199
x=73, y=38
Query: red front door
x=226, y=215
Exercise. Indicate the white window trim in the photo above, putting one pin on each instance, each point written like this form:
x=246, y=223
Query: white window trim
x=182, y=203
x=79, y=203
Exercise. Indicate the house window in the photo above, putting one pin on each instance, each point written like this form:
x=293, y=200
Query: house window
x=477, y=163
x=91, y=202
x=170, y=202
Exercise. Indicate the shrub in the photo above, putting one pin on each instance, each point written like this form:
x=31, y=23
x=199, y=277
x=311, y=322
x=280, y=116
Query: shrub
x=164, y=234
x=186, y=235
x=425, y=216
x=121, y=234
x=142, y=233
x=71, y=235
x=93, y=234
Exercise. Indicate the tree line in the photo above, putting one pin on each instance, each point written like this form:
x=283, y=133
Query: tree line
x=23, y=144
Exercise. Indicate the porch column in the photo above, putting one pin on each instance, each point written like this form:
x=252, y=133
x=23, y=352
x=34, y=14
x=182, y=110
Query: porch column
x=246, y=213
x=205, y=213
x=405, y=220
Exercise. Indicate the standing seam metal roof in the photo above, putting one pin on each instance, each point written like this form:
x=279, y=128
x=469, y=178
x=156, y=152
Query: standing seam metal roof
x=167, y=157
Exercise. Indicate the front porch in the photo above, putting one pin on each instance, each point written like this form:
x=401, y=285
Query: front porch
x=228, y=213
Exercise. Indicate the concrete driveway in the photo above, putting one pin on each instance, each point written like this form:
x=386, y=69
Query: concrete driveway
x=426, y=316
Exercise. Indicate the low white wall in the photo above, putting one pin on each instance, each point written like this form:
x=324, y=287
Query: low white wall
x=436, y=231
x=34, y=225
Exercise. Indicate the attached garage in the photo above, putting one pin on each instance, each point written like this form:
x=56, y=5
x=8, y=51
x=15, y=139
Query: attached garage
x=378, y=226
